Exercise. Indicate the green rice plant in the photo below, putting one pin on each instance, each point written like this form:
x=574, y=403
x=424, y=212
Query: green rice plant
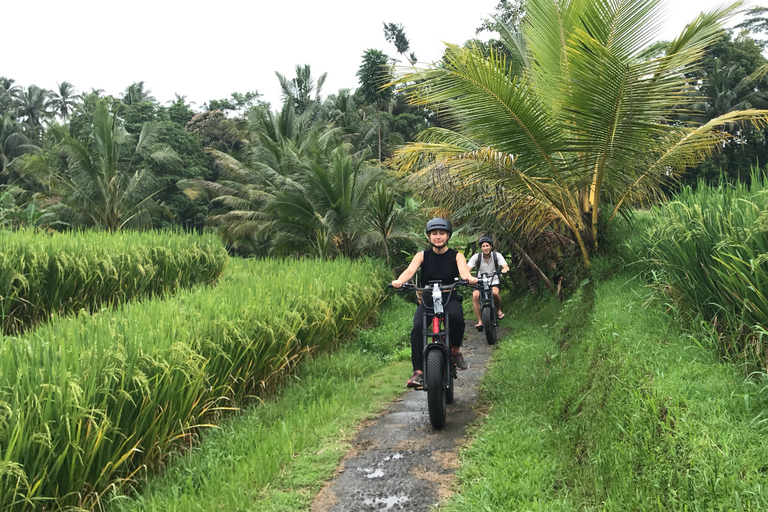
x=279, y=454
x=42, y=275
x=88, y=403
x=711, y=247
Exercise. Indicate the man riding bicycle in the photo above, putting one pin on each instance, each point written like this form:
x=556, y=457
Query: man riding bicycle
x=487, y=261
x=438, y=263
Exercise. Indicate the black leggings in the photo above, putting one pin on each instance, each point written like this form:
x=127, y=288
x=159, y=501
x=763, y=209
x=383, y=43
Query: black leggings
x=455, y=325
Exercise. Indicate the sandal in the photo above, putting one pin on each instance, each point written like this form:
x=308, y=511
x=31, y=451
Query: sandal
x=501, y=315
x=479, y=327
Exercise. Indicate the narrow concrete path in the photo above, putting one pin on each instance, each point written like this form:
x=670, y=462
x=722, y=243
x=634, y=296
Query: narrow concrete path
x=398, y=461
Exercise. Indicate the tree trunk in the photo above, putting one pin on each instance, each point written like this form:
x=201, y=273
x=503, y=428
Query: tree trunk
x=378, y=118
x=537, y=270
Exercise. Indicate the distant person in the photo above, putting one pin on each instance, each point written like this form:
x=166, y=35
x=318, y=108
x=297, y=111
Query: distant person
x=487, y=261
x=438, y=263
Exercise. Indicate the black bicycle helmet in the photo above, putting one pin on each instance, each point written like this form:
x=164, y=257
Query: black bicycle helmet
x=439, y=223
x=484, y=239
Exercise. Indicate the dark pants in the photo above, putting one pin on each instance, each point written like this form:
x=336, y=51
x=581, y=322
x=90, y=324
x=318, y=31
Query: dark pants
x=455, y=326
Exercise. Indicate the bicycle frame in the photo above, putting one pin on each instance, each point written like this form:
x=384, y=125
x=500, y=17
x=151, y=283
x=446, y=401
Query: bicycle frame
x=486, y=291
x=439, y=370
x=438, y=338
x=488, y=307
x=436, y=333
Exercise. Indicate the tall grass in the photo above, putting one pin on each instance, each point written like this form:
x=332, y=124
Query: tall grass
x=711, y=247
x=65, y=273
x=278, y=455
x=604, y=404
x=86, y=403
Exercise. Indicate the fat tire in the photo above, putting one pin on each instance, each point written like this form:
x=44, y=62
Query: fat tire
x=489, y=325
x=435, y=381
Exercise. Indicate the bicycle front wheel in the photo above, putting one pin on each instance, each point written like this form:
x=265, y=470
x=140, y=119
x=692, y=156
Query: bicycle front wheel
x=435, y=381
x=489, y=325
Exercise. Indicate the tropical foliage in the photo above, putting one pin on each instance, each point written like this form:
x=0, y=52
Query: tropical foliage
x=101, y=185
x=577, y=127
x=295, y=188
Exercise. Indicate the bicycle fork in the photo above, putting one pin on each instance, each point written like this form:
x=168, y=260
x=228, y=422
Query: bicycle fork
x=439, y=339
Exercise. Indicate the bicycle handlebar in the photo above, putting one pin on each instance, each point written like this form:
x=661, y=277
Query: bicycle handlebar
x=437, y=305
x=492, y=274
x=442, y=287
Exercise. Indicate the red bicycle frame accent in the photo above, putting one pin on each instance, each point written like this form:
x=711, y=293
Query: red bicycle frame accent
x=435, y=324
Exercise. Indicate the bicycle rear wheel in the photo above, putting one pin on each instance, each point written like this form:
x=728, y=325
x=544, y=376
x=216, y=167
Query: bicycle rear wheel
x=435, y=381
x=489, y=325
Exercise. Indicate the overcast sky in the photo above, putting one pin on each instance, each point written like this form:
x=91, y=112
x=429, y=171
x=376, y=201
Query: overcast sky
x=208, y=50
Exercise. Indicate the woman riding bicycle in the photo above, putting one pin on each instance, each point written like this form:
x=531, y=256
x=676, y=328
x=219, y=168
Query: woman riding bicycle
x=438, y=263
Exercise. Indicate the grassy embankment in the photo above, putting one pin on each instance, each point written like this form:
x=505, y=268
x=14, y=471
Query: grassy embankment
x=603, y=403
x=277, y=456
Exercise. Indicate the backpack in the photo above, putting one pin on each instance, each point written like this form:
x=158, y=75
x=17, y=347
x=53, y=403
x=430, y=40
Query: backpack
x=495, y=263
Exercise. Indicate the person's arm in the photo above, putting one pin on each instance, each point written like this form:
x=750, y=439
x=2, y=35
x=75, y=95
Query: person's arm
x=464, y=272
x=472, y=261
x=504, y=266
x=410, y=271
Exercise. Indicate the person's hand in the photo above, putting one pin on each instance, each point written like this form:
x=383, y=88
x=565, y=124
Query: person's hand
x=472, y=280
x=504, y=270
x=397, y=283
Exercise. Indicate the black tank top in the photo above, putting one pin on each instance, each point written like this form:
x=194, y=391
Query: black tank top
x=439, y=267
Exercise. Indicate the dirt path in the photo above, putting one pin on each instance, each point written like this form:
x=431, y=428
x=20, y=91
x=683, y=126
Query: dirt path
x=398, y=461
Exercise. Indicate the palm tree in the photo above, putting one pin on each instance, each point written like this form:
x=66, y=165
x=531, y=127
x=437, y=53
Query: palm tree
x=101, y=184
x=13, y=141
x=299, y=90
x=135, y=93
x=9, y=94
x=577, y=119
x=64, y=99
x=34, y=107
x=374, y=76
x=273, y=149
x=389, y=222
x=326, y=207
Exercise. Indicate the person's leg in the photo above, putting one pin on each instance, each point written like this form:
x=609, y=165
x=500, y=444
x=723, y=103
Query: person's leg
x=417, y=339
x=476, y=306
x=497, y=301
x=417, y=349
x=456, y=325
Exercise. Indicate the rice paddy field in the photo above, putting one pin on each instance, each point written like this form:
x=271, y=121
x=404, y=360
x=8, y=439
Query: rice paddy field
x=91, y=396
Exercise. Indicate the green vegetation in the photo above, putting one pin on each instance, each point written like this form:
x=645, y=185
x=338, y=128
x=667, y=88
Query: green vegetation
x=603, y=403
x=85, y=271
x=546, y=149
x=277, y=456
x=709, y=252
x=510, y=139
x=87, y=403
